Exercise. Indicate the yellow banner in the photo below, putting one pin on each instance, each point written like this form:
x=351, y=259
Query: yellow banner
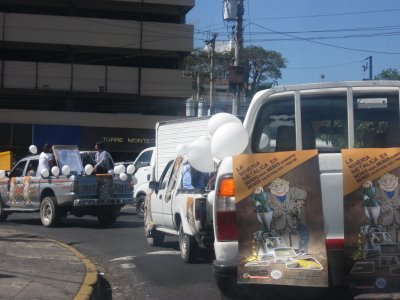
x=252, y=170
x=5, y=160
x=360, y=165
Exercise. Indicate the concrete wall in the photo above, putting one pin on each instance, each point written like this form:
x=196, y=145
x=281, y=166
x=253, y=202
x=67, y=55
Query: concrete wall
x=95, y=32
x=170, y=2
x=89, y=78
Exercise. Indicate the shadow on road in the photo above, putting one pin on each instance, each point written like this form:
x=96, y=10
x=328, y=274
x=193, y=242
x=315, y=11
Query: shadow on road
x=103, y=290
x=79, y=223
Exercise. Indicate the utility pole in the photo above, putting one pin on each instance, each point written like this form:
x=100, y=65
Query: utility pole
x=238, y=54
x=211, y=42
x=368, y=66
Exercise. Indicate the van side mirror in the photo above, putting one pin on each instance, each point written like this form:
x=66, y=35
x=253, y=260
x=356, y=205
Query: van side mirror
x=153, y=185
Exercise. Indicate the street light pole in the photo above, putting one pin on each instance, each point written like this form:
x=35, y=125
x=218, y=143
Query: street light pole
x=212, y=43
x=238, y=54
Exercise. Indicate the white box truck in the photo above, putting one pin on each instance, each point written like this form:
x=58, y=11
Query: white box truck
x=151, y=161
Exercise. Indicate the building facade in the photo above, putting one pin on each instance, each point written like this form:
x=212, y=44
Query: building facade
x=105, y=58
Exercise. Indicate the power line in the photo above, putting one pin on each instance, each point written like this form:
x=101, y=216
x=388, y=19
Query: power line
x=326, y=44
x=330, y=15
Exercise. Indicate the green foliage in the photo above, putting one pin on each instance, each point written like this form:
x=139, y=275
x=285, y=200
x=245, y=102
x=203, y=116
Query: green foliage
x=262, y=67
x=388, y=74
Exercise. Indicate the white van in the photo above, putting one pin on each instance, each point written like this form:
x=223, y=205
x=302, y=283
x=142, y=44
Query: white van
x=144, y=166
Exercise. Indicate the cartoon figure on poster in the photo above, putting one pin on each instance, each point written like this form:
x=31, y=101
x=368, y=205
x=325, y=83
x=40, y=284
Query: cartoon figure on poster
x=381, y=207
x=370, y=202
x=262, y=209
x=282, y=217
x=388, y=195
x=288, y=204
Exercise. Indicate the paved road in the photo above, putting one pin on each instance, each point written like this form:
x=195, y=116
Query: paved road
x=132, y=269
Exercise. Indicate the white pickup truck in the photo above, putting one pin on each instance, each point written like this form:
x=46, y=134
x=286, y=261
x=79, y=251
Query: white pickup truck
x=323, y=116
x=175, y=209
x=58, y=194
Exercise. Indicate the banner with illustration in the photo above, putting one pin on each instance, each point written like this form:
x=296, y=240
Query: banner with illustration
x=371, y=219
x=280, y=219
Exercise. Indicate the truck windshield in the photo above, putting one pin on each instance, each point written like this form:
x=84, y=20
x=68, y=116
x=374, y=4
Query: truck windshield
x=324, y=120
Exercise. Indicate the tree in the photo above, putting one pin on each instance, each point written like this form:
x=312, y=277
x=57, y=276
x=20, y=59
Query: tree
x=388, y=74
x=263, y=68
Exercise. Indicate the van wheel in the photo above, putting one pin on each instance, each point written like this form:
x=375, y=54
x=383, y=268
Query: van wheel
x=3, y=214
x=49, y=212
x=140, y=206
x=156, y=239
x=188, y=246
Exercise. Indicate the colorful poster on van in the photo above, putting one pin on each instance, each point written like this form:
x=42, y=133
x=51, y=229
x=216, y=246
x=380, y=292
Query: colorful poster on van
x=280, y=219
x=371, y=203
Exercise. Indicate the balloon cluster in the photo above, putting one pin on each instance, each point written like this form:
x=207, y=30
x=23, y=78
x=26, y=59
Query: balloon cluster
x=123, y=172
x=227, y=137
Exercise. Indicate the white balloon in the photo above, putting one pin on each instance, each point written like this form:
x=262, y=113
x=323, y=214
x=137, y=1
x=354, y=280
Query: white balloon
x=181, y=150
x=220, y=119
x=230, y=139
x=199, y=155
x=2, y=174
x=130, y=169
x=134, y=180
x=88, y=169
x=116, y=170
x=123, y=176
x=32, y=149
x=121, y=169
x=66, y=170
x=55, y=171
x=44, y=172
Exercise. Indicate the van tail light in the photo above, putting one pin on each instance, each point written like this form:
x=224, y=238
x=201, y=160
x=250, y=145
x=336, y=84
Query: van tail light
x=226, y=227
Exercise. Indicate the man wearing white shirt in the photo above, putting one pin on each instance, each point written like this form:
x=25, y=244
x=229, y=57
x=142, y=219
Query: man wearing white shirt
x=44, y=159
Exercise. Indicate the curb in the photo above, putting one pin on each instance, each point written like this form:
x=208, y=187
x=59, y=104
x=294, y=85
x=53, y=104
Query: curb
x=90, y=282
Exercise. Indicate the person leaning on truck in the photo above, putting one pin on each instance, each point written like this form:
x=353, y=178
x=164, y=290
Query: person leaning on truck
x=45, y=158
x=192, y=178
x=102, y=159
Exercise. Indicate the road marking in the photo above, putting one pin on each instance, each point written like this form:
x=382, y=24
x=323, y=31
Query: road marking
x=128, y=266
x=123, y=258
x=174, y=252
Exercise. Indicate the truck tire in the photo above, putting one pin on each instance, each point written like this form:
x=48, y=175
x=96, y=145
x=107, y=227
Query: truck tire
x=108, y=215
x=156, y=239
x=140, y=206
x=50, y=214
x=3, y=214
x=188, y=246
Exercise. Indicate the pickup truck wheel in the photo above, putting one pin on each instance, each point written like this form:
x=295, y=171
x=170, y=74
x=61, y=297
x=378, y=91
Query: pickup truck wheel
x=140, y=206
x=156, y=239
x=108, y=216
x=188, y=246
x=50, y=213
x=3, y=214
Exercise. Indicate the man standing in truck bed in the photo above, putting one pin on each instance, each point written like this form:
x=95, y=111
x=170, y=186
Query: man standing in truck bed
x=102, y=159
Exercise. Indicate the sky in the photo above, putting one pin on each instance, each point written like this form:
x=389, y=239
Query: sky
x=320, y=40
